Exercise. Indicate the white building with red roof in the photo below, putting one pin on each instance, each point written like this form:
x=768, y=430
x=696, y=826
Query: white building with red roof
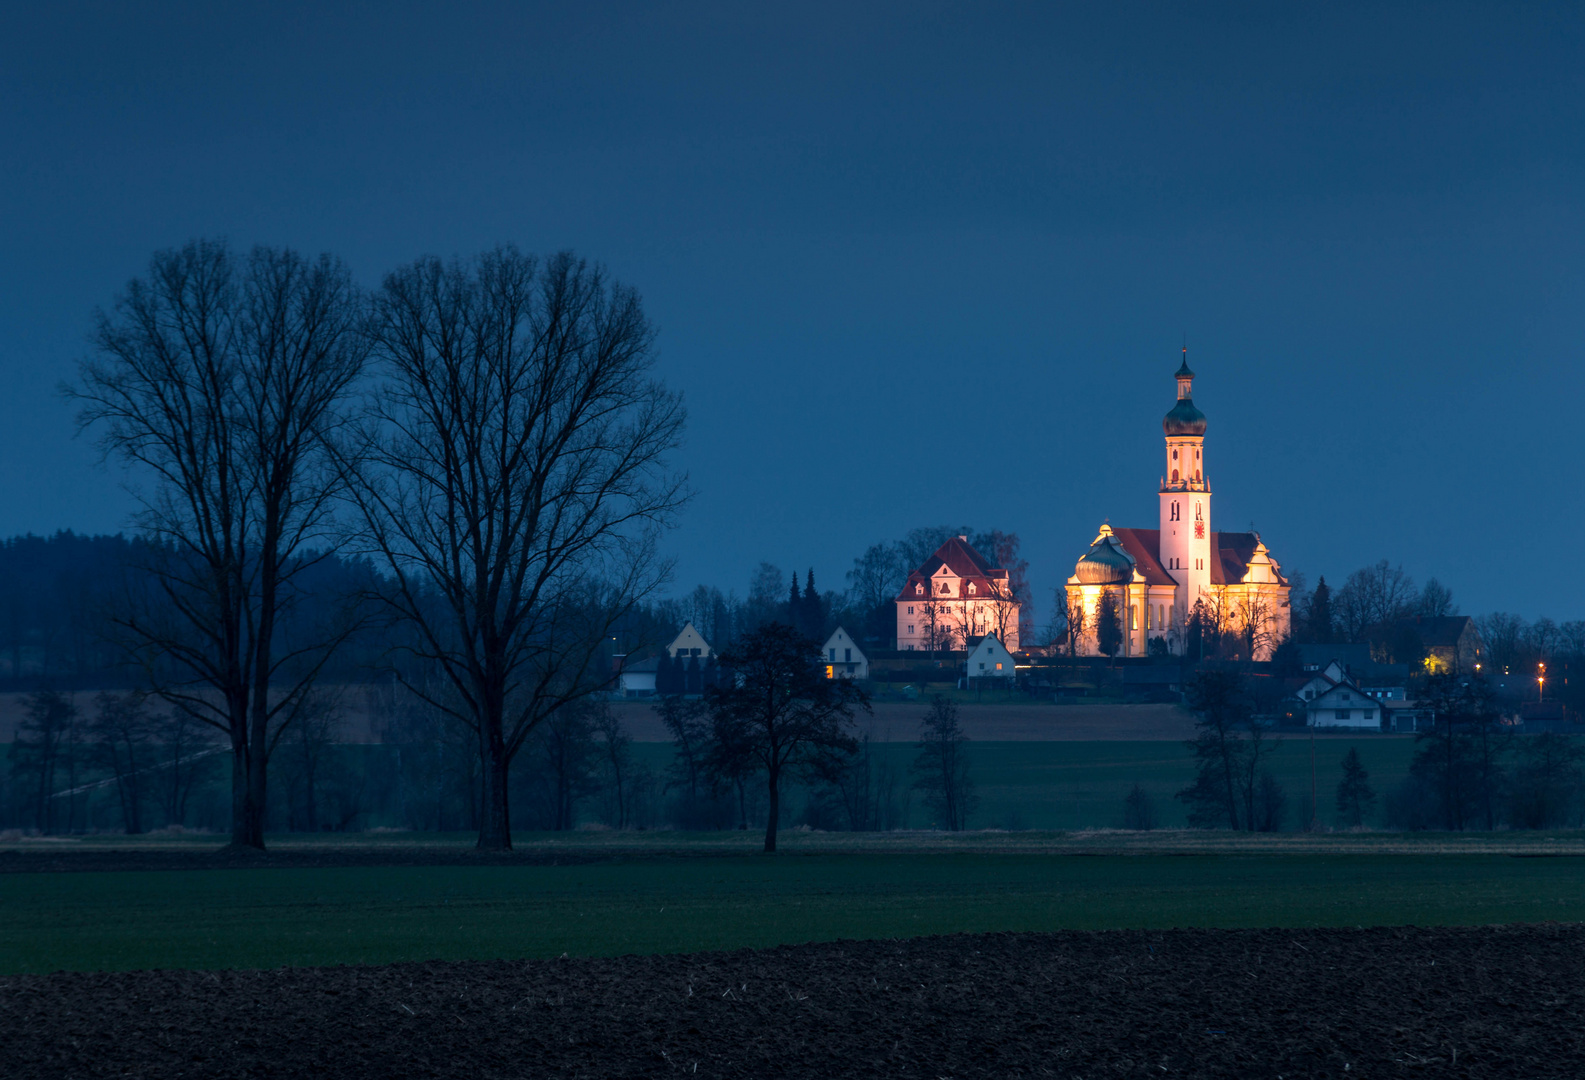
x=955, y=597
x=1158, y=579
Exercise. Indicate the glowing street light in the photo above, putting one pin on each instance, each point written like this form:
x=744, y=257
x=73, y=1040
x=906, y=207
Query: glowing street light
x=1540, y=683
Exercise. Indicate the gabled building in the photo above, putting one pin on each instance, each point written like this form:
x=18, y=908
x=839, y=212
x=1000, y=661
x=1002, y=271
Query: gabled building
x=843, y=658
x=1451, y=642
x=1157, y=579
x=990, y=659
x=689, y=643
x=954, y=597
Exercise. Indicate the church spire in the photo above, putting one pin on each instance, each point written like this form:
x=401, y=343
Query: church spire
x=1185, y=377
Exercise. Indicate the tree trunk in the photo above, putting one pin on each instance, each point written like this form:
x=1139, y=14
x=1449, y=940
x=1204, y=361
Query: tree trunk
x=774, y=812
x=495, y=831
x=239, y=792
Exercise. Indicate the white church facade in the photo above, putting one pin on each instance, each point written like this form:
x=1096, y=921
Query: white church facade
x=1152, y=582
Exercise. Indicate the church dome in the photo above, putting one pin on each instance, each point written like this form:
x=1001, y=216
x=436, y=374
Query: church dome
x=1184, y=419
x=1105, y=563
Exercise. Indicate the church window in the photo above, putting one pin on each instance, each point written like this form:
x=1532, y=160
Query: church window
x=1174, y=455
x=1196, y=474
x=1174, y=476
x=1174, y=511
x=1197, y=515
x=1133, y=617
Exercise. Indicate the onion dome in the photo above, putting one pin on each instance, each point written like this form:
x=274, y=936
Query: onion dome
x=1106, y=563
x=1184, y=419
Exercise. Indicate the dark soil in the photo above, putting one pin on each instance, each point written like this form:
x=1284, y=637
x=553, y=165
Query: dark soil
x=1493, y=1002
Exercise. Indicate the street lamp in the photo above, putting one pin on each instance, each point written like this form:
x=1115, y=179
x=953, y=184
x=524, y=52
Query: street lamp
x=1540, y=683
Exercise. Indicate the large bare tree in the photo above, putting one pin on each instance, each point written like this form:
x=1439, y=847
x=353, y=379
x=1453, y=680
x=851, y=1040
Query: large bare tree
x=219, y=380
x=514, y=482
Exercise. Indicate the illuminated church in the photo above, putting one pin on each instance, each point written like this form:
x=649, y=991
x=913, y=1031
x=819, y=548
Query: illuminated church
x=1159, y=578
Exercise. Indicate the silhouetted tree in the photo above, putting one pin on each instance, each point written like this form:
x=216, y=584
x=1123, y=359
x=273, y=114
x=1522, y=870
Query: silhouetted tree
x=221, y=379
x=780, y=713
x=941, y=768
x=123, y=734
x=1139, y=810
x=1354, y=793
x=1547, y=781
x=1319, y=617
x=513, y=484
x=1108, y=625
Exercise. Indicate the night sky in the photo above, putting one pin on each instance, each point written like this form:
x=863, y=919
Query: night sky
x=910, y=265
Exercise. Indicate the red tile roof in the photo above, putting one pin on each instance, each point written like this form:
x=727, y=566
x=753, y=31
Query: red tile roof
x=960, y=558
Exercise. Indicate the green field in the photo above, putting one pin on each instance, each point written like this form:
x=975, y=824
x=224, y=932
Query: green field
x=674, y=903
x=1082, y=785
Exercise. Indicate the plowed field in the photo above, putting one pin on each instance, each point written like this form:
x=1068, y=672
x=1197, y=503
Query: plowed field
x=1491, y=1002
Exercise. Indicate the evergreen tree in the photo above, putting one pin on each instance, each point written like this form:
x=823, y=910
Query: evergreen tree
x=1320, y=614
x=1108, y=625
x=794, y=605
x=1354, y=793
x=693, y=682
x=814, y=610
x=664, y=681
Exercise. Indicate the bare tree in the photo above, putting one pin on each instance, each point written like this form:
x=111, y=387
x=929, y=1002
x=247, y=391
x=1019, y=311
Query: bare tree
x=942, y=766
x=123, y=741
x=779, y=712
x=221, y=380
x=513, y=485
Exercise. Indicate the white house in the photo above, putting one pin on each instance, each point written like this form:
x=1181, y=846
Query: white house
x=843, y=658
x=990, y=660
x=1344, y=704
x=689, y=642
x=638, y=678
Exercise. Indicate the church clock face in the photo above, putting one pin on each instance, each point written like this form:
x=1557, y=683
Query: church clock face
x=1199, y=530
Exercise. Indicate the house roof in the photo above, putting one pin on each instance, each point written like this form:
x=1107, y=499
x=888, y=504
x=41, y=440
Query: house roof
x=961, y=559
x=1438, y=631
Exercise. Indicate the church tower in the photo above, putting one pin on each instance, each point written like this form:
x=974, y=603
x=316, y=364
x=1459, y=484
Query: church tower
x=1186, y=550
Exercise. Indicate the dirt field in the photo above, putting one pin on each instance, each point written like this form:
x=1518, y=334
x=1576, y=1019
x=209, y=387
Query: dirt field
x=990, y=722
x=1492, y=1002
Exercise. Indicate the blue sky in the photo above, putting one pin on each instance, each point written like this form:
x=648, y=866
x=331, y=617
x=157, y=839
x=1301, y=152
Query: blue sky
x=910, y=264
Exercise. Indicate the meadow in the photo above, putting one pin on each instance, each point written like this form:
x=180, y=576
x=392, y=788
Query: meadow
x=679, y=896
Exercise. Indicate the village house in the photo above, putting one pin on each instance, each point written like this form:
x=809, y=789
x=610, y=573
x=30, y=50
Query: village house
x=843, y=657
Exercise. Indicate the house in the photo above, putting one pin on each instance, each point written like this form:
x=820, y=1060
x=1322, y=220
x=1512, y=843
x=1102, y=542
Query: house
x=636, y=679
x=843, y=658
x=990, y=659
x=1451, y=642
x=1343, y=704
x=689, y=643
x=953, y=597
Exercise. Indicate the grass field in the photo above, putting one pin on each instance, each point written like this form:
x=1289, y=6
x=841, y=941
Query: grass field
x=1082, y=785
x=273, y=917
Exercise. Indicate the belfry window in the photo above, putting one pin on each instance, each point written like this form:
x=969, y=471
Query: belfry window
x=1174, y=510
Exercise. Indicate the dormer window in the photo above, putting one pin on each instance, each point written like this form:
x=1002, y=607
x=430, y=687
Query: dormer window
x=919, y=589
x=972, y=589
